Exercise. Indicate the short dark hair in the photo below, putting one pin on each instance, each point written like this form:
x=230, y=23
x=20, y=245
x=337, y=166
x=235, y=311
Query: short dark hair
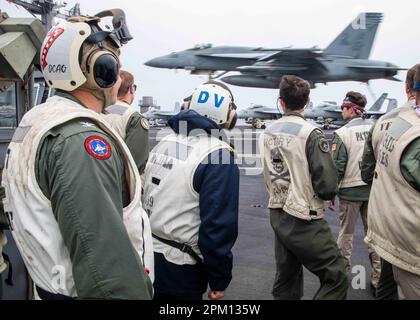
x=357, y=98
x=411, y=73
x=294, y=91
x=416, y=82
x=127, y=79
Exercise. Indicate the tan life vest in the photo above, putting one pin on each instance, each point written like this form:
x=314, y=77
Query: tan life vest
x=35, y=228
x=384, y=123
x=118, y=116
x=394, y=205
x=286, y=168
x=169, y=196
x=354, y=135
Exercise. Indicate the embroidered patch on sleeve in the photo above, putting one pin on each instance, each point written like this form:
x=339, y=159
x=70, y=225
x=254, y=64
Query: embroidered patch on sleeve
x=145, y=123
x=324, y=145
x=98, y=147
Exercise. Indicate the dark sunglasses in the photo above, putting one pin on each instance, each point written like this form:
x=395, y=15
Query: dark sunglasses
x=132, y=85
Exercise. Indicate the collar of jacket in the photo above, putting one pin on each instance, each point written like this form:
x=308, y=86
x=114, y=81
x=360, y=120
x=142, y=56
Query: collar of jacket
x=193, y=121
x=293, y=113
x=123, y=103
x=67, y=95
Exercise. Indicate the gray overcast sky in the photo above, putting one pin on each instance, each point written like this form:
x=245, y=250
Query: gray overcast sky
x=163, y=26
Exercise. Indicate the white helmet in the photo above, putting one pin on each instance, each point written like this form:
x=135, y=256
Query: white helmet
x=60, y=55
x=215, y=101
x=79, y=51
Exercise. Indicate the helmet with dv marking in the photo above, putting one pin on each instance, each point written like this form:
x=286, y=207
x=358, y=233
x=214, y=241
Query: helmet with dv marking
x=214, y=100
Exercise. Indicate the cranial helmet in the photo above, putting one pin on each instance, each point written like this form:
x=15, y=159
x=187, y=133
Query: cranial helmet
x=214, y=100
x=79, y=53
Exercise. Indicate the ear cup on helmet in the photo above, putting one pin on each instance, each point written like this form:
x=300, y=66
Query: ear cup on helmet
x=103, y=68
x=231, y=120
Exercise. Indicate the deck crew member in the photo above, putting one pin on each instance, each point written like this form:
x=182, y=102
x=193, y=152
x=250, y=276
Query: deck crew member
x=299, y=174
x=387, y=288
x=72, y=188
x=347, y=149
x=394, y=207
x=132, y=126
x=191, y=193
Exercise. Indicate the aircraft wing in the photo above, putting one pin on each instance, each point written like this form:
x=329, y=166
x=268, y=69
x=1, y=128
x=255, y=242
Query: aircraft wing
x=160, y=115
x=376, y=68
x=335, y=111
x=247, y=56
x=375, y=113
x=262, y=55
x=293, y=54
x=268, y=112
x=287, y=60
x=165, y=114
x=273, y=68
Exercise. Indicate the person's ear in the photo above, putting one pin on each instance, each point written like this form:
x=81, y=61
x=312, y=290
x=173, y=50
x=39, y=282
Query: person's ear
x=283, y=104
x=408, y=89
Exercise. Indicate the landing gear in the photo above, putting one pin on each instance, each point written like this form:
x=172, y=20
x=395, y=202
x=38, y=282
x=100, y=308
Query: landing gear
x=327, y=124
x=258, y=124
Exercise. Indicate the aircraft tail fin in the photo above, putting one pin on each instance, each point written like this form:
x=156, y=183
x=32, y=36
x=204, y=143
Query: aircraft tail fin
x=377, y=106
x=357, y=39
x=393, y=103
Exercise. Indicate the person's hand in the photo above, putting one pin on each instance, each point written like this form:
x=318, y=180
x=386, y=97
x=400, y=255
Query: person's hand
x=330, y=205
x=216, y=295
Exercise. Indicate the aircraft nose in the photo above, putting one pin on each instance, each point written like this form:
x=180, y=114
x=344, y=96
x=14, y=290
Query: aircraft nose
x=153, y=63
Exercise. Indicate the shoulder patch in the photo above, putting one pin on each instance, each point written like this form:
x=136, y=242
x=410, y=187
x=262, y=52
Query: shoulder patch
x=324, y=145
x=98, y=147
x=334, y=147
x=145, y=123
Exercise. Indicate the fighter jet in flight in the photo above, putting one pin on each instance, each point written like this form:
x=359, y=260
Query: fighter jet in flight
x=345, y=59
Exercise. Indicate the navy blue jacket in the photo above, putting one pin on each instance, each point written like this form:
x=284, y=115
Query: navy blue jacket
x=218, y=187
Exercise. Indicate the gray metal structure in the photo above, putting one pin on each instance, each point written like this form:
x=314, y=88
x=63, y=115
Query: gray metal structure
x=345, y=59
x=21, y=36
x=47, y=10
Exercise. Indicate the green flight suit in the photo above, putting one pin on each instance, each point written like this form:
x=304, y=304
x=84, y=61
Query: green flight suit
x=137, y=140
